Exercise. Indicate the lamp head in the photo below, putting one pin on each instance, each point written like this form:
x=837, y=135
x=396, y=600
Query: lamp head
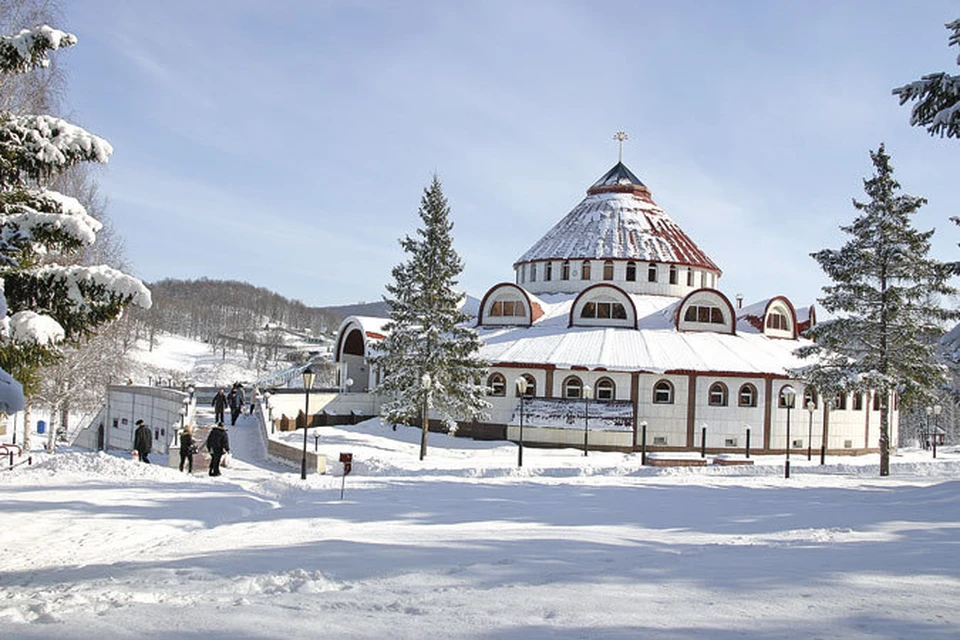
x=308, y=376
x=522, y=385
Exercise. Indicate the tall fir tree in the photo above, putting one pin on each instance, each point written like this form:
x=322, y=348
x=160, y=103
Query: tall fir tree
x=50, y=300
x=429, y=357
x=937, y=97
x=886, y=300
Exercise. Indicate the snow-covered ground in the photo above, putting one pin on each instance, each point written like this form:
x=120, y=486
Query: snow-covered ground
x=466, y=545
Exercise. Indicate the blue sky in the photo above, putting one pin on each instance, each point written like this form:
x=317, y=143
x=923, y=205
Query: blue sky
x=287, y=144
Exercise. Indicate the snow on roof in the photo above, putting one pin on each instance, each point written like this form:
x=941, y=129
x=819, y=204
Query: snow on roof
x=655, y=346
x=617, y=224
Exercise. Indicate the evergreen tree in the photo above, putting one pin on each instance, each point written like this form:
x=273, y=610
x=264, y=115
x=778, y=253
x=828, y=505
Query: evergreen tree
x=885, y=296
x=50, y=301
x=429, y=355
x=937, y=96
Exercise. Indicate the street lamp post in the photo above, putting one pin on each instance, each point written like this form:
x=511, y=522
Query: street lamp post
x=788, y=394
x=522, y=384
x=811, y=408
x=266, y=400
x=191, y=389
x=587, y=393
x=308, y=376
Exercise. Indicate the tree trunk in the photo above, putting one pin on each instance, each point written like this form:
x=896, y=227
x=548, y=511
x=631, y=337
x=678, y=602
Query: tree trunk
x=425, y=427
x=26, y=428
x=884, y=438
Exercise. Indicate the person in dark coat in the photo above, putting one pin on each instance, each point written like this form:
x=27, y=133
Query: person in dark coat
x=219, y=405
x=143, y=441
x=236, y=402
x=186, y=448
x=218, y=443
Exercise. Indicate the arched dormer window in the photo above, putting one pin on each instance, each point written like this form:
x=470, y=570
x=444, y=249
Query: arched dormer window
x=604, y=309
x=604, y=305
x=496, y=385
x=548, y=272
x=608, y=269
x=706, y=310
x=585, y=270
x=508, y=308
x=780, y=319
x=777, y=320
x=565, y=270
x=631, y=272
x=572, y=387
x=673, y=274
x=605, y=389
x=718, y=395
x=747, y=396
x=507, y=304
x=531, y=390
x=704, y=314
x=652, y=272
x=663, y=392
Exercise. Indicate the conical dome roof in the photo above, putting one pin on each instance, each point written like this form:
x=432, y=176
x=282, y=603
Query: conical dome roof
x=618, y=220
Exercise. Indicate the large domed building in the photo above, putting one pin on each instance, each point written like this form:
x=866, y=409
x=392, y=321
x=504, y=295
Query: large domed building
x=615, y=330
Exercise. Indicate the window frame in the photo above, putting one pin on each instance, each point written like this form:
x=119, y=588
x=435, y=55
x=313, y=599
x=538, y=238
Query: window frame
x=569, y=384
x=497, y=385
x=665, y=387
x=750, y=389
x=718, y=395
x=605, y=389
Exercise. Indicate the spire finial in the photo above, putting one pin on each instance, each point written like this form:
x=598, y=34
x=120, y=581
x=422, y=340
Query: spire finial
x=620, y=136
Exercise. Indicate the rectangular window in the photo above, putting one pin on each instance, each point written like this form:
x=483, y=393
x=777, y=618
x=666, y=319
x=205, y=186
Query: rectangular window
x=673, y=274
x=660, y=441
x=565, y=270
x=585, y=270
x=690, y=277
x=730, y=442
x=548, y=273
x=533, y=273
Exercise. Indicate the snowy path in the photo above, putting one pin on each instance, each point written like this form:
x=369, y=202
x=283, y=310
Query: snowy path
x=464, y=545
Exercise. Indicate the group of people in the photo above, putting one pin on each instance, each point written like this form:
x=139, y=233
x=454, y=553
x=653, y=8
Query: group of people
x=236, y=400
x=217, y=443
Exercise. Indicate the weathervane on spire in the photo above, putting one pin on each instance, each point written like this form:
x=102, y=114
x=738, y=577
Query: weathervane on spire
x=620, y=136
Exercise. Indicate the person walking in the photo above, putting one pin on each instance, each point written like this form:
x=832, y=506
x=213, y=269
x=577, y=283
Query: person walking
x=236, y=402
x=143, y=441
x=218, y=443
x=219, y=405
x=187, y=448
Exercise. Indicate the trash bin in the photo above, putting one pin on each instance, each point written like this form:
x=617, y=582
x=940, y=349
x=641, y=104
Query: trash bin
x=41, y=426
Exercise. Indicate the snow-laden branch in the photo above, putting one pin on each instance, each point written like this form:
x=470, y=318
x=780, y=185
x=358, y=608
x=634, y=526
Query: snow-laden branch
x=39, y=144
x=51, y=211
x=114, y=281
x=28, y=49
x=30, y=327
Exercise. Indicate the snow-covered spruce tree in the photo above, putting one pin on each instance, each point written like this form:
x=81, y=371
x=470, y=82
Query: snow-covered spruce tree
x=885, y=299
x=937, y=97
x=49, y=303
x=429, y=355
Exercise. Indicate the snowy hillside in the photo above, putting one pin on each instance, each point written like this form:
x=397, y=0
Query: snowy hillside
x=188, y=361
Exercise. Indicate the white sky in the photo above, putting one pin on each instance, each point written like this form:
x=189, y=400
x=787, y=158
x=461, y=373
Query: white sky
x=300, y=135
